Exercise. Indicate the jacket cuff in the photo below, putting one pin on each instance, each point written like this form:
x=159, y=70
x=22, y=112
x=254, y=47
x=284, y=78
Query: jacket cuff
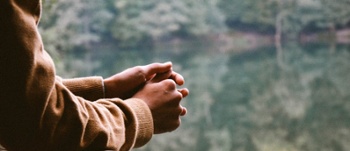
x=90, y=88
x=145, y=127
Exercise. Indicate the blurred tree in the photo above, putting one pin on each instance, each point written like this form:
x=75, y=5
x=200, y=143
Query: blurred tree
x=155, y=19
x=293, y=15
x=250, y=15
x=68, y=25
x=334, y=14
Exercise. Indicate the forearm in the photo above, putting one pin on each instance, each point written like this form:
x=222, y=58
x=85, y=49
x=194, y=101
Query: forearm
x=77, y=124
x=90, y=88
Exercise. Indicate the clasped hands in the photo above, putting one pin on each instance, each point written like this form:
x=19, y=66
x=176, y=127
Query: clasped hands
x=156, y=85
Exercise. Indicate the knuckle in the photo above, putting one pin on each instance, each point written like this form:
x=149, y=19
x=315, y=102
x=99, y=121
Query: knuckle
x=157, y=64
x=170, y=84
x=177, y=99
x=179, y=95
x=139, y=69
x=175, y=124
x=178, y=110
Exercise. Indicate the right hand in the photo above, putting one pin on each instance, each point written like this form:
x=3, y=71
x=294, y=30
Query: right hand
x=163, y=99
x=125, y=84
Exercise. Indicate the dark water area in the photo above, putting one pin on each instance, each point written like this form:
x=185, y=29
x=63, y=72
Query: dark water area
x=262, y=99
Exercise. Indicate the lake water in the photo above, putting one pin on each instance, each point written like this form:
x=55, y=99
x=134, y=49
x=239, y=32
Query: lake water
x=294, y=99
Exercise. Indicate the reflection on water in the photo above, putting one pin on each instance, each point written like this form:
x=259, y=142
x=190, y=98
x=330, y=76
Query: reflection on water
x=256, y=100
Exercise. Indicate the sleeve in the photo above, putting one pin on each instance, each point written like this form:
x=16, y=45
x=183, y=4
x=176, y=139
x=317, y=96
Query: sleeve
x=90, y=88
x=38, y=112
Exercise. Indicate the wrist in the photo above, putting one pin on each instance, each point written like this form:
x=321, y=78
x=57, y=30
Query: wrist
x=103, y=89
x=106, y=87
x=112, y=87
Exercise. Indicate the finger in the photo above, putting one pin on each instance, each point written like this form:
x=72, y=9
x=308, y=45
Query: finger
x=184, y=92
x=184, y=111
x=155, y=68
x=162, y=76
x=178, y=78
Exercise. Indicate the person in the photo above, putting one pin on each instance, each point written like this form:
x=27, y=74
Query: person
x=41, y=111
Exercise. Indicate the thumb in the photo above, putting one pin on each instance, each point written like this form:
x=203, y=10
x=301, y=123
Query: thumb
x=155, y=68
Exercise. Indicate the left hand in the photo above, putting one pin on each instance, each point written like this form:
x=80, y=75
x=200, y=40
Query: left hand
x=163, y=99
x=125, y=84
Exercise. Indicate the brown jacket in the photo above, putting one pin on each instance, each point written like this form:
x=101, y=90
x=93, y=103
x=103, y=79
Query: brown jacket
x=39, y=111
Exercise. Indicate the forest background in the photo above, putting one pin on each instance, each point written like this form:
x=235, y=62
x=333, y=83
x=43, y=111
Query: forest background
x=264, y=75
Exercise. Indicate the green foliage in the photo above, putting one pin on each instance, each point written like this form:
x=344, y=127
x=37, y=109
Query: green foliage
x=336, y=12
x=72, y=25
x=66, y=24
x=295, y=14
x=129, y=23
x=250, y=12
x=156, y=19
